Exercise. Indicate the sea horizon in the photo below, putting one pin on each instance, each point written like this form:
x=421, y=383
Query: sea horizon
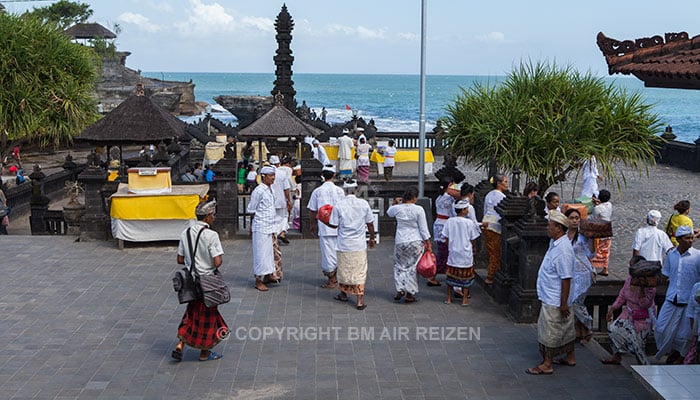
x=393, y=100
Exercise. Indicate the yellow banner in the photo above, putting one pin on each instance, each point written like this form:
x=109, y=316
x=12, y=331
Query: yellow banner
x=332, y=151
x=403, y=156
x=155, y=207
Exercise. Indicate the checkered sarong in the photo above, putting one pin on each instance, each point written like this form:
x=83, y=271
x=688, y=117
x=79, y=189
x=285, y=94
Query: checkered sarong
x=202, y=327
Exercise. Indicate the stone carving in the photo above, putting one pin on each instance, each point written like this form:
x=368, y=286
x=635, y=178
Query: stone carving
x=284, y=59
x=676, y=36
x=612, y=47
x=644, y=43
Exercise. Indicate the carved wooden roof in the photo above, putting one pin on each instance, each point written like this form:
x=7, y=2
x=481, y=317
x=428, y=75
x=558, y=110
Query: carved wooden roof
x=672, y=61
x=89, y=31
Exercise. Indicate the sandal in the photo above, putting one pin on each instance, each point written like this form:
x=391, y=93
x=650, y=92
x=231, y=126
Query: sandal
x=212, y=356
x=538, y=371
x=341, y=298
x=562, y=361
x=434, y=284
x=603, y=272
x=410, y=299
x=360, y=307
x=399, y=295
x=587, y=338
x=610, y=361
x=328, y=285
x=176, y=354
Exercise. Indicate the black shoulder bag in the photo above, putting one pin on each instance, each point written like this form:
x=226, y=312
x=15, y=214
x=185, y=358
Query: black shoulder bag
x=183, y=282
x=214, y=290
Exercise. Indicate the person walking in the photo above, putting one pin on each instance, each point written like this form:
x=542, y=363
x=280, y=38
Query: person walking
x=201, y=327
x=461, y=233
x=267, y=260
x=389, y=154
x=411, y=240
x=444, y=209
x=602, y=211
x=492, y=224
x=328, y=194
x=651, y=242
x=629, y=332
x=363, y=150
x=555, y=326
x=682, y=269
x=281, y=189
x=584, y=250
x=351, y=216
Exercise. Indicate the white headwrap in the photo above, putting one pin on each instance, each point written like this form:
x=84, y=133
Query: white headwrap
x=315, y=141
x=329, y=167
x=274, y=160
x=462, y=204
x=350, y=184
x=267, y=170
x=653, y=217
x=206, y=208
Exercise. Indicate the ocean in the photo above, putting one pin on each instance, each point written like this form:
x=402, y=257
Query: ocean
x=393, y=101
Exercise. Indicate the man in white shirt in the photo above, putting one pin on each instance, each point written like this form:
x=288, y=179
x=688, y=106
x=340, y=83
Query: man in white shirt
x=345, y=160
x=326, y=194
x=555, y=326
x=351, y=216
x=389, y=154
x=267, y=267
x=682, y=268
x=281, y=188
x=651, y=242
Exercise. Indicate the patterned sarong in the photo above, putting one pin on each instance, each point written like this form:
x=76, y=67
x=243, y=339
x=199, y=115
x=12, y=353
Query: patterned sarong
x=625, y=339
x=277, y=256
x=443, y=252
x=363, y=173
x=406, y=256
x=555, y=333
x=459, y=277
x=345, y=168
x=202, y=327
x=352, y=271
x=493, y=248
x=602, y=253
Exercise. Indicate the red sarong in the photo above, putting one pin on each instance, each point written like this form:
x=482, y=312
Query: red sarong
x=202, y=327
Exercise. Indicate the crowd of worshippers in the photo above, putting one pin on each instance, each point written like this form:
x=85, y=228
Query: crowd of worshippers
x=344, y=224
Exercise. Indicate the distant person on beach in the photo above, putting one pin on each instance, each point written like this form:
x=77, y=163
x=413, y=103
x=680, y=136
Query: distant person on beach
x=590, y=178
x=681, y=217
x=389, y=153
x=323, y=114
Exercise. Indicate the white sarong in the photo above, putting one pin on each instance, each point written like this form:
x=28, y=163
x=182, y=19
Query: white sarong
x=672, y=330
x=282, y=220
x=263, y=254
x=352, y=267
x=329, y=259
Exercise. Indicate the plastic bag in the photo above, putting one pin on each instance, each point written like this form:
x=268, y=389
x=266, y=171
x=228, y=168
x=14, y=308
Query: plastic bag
x=427, y=265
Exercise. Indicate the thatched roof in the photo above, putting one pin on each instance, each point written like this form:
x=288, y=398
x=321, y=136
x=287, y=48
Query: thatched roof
x=278, y=122
x=89, y=31
x=137, y=119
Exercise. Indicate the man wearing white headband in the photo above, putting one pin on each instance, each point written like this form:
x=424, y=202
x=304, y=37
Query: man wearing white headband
x=351, y=216
x=682, y=268
x=267, y=261
x=346, y=163
x=326, y=194
x=281, y=189
x=651, y=242
x=555, y=326
x=201, y=327
x=320, y=153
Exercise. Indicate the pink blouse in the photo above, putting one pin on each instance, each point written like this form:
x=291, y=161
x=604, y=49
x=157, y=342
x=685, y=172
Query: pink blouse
x=634, y=301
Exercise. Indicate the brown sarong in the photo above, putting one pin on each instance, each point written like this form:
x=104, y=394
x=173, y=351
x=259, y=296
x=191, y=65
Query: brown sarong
x=352, y=271
x=602, y=252
x=493, y=248
x=277, y=256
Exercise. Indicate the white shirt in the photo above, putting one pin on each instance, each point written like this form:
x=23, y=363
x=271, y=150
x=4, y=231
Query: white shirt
x=443, y=208
x=603, y=211
x=363, y=154
x=411, y=225
x=252, y=175
x=345, y=145
x=208, y=247
x=290, y=177
x=683, y=271
x=278, y=187
x=694, y=310
x=262, y=204
x=651, y=243
x=389, y=154
x=320, y=154
x=558, y=264
x=590, y=178
x=327, y=193
x=351, y=216
x=490, y=215
x=460, y=231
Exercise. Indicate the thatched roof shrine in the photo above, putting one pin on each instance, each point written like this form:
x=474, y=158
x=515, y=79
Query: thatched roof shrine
x=89, y=31
x=278, y=122
x=669, y=62
x=138, y=119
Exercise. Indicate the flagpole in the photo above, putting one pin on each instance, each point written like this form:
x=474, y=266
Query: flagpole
x=421, y=123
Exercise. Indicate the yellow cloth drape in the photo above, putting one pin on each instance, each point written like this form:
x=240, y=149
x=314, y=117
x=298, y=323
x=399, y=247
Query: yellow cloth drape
x=140, y=183
x=403, y=156
x=332, y=151
x=155, y=207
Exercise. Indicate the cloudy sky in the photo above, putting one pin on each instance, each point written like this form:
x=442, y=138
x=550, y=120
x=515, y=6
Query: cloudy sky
x=465, y=37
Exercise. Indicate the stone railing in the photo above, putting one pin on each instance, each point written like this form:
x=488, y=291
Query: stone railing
x=410, y=140
x=680, y=154
x=19, y=197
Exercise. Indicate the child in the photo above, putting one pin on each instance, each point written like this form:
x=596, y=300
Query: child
x=460, y=233
x=603, y=210
x=693, y=356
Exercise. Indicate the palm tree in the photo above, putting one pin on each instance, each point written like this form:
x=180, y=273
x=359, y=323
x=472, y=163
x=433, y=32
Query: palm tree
x=548, y=120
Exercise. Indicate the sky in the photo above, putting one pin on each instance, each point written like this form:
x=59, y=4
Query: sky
x=464, y=37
